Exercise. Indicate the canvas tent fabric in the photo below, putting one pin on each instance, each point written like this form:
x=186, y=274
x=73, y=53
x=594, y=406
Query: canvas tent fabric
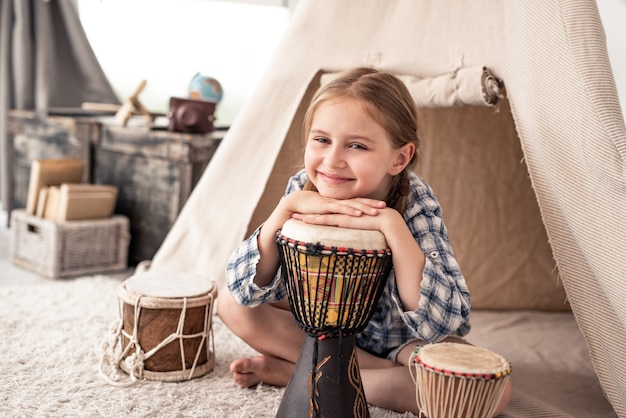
x=532, y=189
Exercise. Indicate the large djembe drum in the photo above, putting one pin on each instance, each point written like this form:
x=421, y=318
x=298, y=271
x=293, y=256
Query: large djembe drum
x=334, y=278
x=458, y=380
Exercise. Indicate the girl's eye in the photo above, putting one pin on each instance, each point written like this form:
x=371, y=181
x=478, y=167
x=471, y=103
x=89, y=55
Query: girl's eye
x=321, y=139
x=356, y=146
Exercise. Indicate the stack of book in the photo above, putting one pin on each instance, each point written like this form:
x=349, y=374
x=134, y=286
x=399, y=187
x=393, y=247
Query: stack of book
x=56, y=193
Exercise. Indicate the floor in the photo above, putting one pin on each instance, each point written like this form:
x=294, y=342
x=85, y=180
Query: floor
x=11, y=275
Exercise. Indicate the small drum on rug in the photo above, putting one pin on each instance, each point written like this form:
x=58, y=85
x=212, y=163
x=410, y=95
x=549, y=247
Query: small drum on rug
x=165, y=330
x=458, y=380
x=334, y=278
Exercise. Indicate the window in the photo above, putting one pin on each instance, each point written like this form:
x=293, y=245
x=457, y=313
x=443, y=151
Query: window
x=166, y=42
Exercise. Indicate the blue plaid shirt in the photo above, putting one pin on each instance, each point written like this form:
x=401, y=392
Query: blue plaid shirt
x=444, y=305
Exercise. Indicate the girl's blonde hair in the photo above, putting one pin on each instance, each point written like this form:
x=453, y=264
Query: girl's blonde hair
x=389, y=103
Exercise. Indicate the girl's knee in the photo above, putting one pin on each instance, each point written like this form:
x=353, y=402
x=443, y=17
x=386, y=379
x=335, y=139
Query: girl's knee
x=227, y=308
x=239, y=319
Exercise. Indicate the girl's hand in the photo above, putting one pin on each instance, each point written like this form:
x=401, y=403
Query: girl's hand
x=379, y=219
x=304, y=203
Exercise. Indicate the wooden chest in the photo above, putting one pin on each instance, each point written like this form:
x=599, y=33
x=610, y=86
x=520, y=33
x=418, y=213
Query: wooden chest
x=36, y=138
x=154, y=170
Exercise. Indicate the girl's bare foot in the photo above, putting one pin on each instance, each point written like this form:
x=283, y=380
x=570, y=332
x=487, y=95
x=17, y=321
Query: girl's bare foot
x=267, y=369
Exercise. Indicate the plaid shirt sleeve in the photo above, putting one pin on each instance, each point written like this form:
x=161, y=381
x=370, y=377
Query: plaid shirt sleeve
x=444, y=305
x=241, y=267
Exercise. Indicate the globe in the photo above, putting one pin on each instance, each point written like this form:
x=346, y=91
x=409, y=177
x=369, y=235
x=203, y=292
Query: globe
x=205, y=88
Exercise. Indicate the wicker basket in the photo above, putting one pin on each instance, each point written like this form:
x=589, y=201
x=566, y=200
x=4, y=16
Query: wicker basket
x=67, y=249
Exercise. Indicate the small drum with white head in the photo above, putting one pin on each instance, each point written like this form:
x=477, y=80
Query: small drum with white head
x=458, y=380
x=166, y=329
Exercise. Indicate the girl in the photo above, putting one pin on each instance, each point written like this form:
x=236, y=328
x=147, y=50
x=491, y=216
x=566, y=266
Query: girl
x=361, y=147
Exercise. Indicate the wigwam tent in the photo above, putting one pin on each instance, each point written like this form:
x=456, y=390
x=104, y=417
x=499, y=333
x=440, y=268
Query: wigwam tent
x=532, y=183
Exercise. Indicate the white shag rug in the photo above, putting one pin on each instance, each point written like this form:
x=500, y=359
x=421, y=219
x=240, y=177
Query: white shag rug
x=50, y=349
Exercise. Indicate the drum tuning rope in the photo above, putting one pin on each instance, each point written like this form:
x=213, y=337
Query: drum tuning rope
x=135, y=361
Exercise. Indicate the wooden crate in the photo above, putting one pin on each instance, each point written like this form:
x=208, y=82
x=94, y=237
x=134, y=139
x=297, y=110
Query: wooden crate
x=155, y=171
x=36, y=137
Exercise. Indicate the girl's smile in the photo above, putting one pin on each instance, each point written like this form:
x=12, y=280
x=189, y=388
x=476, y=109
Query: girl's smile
x=333, y=178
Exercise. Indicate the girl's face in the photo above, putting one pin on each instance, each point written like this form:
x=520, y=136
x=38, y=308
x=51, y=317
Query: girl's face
x=348, y=154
